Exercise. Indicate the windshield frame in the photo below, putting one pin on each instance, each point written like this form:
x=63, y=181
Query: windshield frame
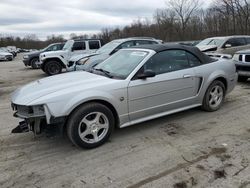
x=68, y=45
x=149, y=54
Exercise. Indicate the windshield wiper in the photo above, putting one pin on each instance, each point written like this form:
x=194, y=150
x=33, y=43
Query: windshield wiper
x=107, y=73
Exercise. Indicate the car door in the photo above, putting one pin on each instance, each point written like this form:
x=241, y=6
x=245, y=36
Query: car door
x=79, y=47
x=174, y=85
x=94, y=45
x=234, y=45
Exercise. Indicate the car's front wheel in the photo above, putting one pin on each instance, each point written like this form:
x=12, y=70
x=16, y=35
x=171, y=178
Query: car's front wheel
x=35, y=63
x=214, y=96
x=90, y=125
x=53, y=68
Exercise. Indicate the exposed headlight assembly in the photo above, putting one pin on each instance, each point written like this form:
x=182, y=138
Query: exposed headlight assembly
x=82, y=61
x=25, y=57
x=38, y=110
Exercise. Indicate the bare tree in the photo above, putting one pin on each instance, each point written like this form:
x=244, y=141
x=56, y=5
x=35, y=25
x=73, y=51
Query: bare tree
x=184, y=9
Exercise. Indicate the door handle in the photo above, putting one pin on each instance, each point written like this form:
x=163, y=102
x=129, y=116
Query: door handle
x=187, y=76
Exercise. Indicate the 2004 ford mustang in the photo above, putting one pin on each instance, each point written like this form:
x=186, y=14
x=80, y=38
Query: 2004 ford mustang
x=132, y=86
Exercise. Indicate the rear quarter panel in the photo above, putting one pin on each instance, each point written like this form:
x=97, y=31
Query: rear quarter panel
x=219, y=69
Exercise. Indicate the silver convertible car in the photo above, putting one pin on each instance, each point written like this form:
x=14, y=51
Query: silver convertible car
x=132, y=86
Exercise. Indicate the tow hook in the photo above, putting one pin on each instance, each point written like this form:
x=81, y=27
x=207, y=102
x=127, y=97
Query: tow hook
x=21, y=128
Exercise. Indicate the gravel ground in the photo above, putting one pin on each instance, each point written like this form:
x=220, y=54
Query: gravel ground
x=188, y=149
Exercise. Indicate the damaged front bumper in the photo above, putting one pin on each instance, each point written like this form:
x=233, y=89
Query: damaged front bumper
x=35, y=118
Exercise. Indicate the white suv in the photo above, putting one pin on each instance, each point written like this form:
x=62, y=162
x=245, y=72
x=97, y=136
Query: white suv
x=53, y=62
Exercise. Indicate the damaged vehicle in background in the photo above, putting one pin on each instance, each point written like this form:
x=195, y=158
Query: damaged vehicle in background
x=132, y=86
x=242, y=62
x=224, y=45
x=53, y=63
x=32, y=58
x=5, y=56
x=88, y=61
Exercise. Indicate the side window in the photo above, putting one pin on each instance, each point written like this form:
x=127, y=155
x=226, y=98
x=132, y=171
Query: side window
x=144, y=42
x=193, y=61
x=123, y=45
x=55, y=47
x=168, y=61
x=248, y=40
x=127, y=44
x=93, y=45
x=141, y=42
x=79, y=46
x=49, y=49
x=236, y=42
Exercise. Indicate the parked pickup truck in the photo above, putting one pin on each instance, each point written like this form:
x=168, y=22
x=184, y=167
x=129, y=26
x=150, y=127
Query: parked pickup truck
x=32, y=58
x=52, y=63
x=242, y=62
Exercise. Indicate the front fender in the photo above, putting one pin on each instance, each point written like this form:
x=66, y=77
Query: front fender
x=88, y=96
x=58, y=58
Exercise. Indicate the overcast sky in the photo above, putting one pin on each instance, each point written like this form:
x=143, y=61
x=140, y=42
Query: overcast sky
x=45, y=17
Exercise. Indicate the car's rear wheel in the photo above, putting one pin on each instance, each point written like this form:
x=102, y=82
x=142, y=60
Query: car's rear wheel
x=90, y=125
x=242, y=79
x=52, y=68
x=35, y=63
x=214, y=96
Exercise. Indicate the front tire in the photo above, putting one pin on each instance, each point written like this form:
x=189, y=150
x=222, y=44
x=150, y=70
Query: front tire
x=90, y=125
x=34, y=63
x=214, y=96
x=53, y=68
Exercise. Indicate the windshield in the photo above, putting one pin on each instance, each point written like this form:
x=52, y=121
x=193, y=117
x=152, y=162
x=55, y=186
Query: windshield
x=122, y=63
x=68, y=45
x=108, y=48
x=211, y=41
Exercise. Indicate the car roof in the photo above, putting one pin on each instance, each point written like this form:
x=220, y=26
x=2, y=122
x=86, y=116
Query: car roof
x=228, y=37
x=192, y=49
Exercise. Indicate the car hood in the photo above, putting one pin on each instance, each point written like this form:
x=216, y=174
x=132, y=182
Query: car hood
x=53, y=53
x=80, y=56
x=204, y=48
x=5, y=53
x=34, y=53
x=67, y=81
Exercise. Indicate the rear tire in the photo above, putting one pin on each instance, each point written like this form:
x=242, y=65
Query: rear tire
x=34, y=63
x=90, y=125
x=214, y=96
x=52, y=68
x=242, y=79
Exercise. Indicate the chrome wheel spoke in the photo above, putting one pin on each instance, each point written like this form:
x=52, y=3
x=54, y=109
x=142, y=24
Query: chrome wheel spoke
x=97, y=118
x=103, y=126
x=215, y=96
x=95, y=136
x=95, y=126
x=85, y=133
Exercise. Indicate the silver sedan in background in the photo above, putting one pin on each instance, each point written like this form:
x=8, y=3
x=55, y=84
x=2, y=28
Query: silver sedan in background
x=132, y=86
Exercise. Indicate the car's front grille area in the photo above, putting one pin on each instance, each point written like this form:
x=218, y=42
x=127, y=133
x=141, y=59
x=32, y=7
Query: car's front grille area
x=247, y=58
x=8, y=56
x=23, y=110
x=242, y=68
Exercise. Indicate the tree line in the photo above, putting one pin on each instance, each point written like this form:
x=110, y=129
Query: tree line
x=182, y=20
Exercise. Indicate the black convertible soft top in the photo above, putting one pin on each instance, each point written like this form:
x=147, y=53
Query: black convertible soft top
x=194, y=50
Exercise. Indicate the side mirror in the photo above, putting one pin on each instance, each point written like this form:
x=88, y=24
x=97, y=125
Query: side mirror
x=146, y=74
x=228, y=45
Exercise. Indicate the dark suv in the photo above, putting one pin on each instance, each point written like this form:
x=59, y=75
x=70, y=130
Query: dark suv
x=32, y=58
